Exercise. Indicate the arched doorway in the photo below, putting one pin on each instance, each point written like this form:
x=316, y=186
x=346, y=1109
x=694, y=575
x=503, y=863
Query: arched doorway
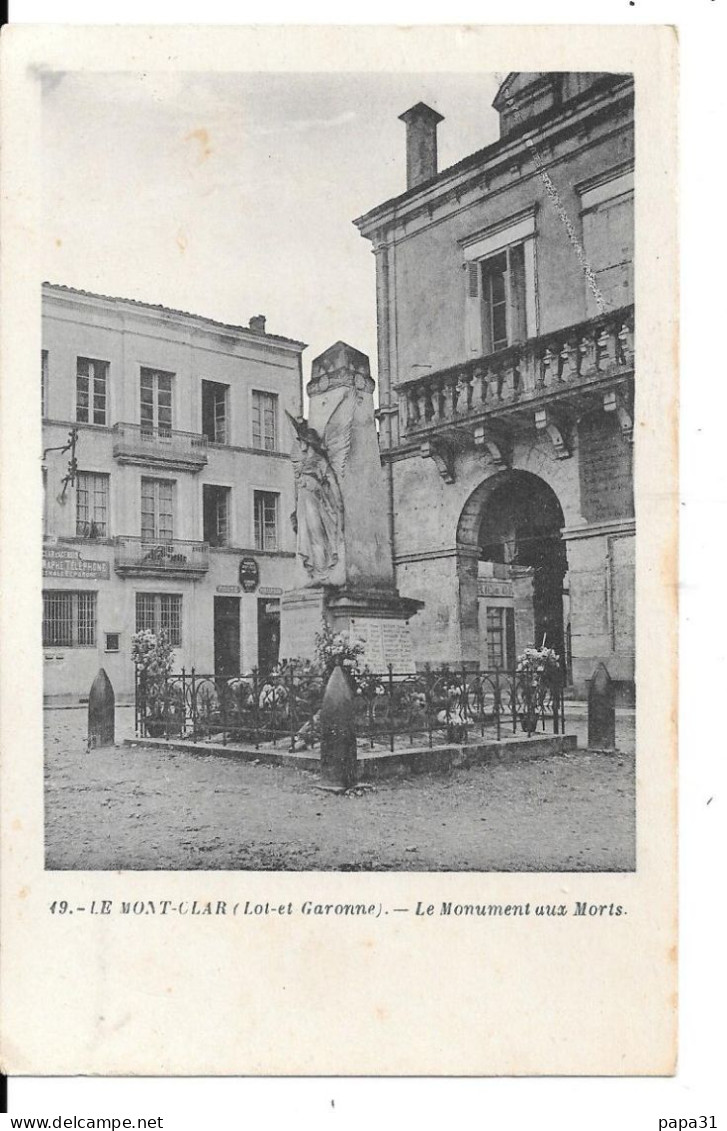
x=514, y=521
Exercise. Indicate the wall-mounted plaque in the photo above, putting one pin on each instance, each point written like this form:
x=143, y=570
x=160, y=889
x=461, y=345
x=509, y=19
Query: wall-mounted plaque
x=69, y=563
x=249, y=575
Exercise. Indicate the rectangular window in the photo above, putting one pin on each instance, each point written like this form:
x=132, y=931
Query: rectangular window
x=155, y=409
x=92, y=505
x=608, y=236
x=214, y=412
x=500, y=638
x=160, y=611
x=266, y=520
x=495, y=638
x=264, y=421
x=216, y=515
x=91, y=390
x=157, y=510
x=112, y=641
x=69, y=618
x=504, y=300
x=44, y=383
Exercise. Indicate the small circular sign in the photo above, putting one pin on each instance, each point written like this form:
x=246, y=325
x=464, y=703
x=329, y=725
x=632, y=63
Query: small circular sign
x=249, y=575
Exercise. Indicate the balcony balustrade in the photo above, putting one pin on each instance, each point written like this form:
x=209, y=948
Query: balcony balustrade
x=152, y=446
x=175, y=557
x=539, y=383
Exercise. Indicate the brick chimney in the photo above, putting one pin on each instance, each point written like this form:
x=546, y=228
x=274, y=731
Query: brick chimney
x=257, y=323
x=421, y=143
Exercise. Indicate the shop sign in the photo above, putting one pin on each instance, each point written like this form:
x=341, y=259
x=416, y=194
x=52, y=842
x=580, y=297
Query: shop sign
x=69, y=563
x=249, y=575
x=271, y=591
x=228, y=589
x=487, y=587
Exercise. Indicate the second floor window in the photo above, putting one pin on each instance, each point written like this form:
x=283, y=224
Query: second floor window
x=155, y=409
x=216, y=515
x=214, y=412
x=91, y=390
x=608, y=235
x=503, y=299
x=157, y=510
x=264, y=421
x=92, y=505
x=266, y=520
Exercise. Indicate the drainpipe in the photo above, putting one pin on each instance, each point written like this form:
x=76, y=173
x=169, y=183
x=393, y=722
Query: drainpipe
x=386, y=408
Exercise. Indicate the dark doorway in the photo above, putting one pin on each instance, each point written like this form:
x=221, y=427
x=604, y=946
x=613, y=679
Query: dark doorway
x=227, y=636
x=268, y=633
x=521, y=525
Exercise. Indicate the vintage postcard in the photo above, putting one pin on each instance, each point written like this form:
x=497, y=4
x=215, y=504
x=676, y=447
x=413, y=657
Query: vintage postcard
x=339, y=551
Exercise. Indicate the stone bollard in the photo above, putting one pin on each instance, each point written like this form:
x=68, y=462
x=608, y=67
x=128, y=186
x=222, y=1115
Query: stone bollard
x=101, y=703
x=601, y=711
x=338, y=735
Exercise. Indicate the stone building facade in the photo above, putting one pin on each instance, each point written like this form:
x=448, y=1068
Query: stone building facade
x=177, y=514
x=506, y=377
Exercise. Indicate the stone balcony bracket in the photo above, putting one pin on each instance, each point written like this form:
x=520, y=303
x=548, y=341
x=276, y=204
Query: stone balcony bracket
x=546, y=420
x=442, y=453
x=614, y=401
x=497, y=446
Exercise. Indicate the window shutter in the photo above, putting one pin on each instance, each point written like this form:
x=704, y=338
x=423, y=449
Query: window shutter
x=518, y=321
x=473, y=280
x=473, y=310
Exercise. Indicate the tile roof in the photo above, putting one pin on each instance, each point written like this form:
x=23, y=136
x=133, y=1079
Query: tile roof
x=180, y=313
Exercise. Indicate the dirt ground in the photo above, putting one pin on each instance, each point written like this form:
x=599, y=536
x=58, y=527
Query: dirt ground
x=142, y=808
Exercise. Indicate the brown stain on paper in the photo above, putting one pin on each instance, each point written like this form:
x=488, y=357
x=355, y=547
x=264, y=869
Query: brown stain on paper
x=203, y=138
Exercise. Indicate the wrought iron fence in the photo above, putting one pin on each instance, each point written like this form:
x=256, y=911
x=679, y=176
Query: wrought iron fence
x=435, y=705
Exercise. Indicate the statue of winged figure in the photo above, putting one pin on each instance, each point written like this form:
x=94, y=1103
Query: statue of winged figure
x=319, y=463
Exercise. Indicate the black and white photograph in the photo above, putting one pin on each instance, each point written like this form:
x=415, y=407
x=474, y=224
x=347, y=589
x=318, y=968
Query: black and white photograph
x=339, y=536
x=338, y=690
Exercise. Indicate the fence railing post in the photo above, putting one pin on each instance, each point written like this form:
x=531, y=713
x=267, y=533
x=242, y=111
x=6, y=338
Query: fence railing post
x=291, y=706
x=256, y=707
x=222, y=696
x=391, y=707
x=513, y=701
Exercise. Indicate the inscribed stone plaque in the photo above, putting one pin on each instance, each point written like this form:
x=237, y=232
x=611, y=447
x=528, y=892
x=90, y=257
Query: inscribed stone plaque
x=385, y=642
x=605, y=469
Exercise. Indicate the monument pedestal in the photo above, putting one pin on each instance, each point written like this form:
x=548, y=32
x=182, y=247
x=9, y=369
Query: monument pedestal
x=378, y=618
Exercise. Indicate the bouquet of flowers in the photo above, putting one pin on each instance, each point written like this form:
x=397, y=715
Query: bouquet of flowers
x=334, y=648
x=539, y=665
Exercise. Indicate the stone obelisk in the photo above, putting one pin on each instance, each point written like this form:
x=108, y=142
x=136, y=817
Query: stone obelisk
x=345, y=573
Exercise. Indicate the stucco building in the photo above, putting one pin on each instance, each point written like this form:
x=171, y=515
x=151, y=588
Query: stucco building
x=506, y=373
x=177, y=513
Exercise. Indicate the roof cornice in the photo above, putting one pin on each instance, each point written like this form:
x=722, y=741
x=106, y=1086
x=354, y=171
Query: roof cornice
x=510, y=150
